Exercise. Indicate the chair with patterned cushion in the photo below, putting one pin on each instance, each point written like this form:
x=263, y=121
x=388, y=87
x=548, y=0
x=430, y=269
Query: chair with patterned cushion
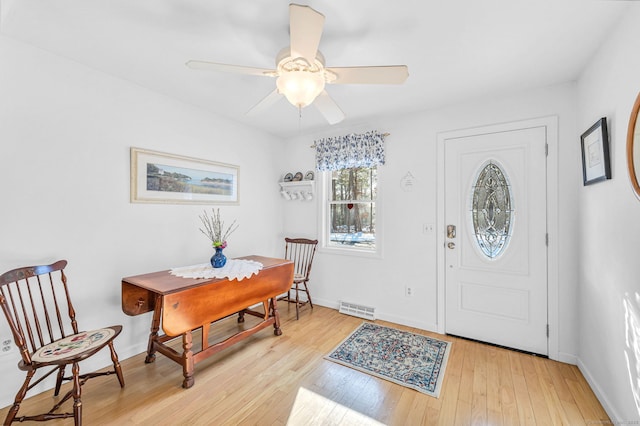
x=301, y=251
x=35, y=300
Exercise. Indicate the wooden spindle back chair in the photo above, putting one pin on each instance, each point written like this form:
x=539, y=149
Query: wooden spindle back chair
x=35, y=301
x=301, y=251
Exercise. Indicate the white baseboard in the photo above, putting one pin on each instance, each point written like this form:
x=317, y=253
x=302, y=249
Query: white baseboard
x=326, y=303
x=602, y=397
x=566, y=358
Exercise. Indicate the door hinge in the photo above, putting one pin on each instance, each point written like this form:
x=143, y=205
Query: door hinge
x=546, y=149
x=547, y=330
x=546, y=239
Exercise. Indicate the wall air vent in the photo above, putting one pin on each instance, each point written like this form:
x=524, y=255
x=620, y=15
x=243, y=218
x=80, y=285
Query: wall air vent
x=360, y=311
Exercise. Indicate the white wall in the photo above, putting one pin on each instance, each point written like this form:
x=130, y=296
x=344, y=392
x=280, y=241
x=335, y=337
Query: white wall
x=609, y=232
x=65, y=134
x=409, y=254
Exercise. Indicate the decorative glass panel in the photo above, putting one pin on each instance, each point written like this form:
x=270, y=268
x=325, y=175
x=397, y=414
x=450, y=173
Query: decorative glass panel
x=491, y=210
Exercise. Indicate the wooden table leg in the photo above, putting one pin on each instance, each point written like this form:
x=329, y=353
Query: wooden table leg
x=274, y=312
x=187, y=360
x=153, y=335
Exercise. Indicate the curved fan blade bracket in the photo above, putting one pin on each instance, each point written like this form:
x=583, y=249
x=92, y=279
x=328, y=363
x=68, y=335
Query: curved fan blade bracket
x=328, y=108
x=390, y=74
x=237, y=69
x=305, y=27
x=265, y=103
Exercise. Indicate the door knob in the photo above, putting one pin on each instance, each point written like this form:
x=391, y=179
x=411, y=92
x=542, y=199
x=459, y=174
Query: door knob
x=451, y=245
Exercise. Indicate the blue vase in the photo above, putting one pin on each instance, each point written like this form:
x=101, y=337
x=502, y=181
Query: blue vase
x=218, y=260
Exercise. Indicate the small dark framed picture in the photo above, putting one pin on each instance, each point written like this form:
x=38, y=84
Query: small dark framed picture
x=595, y=153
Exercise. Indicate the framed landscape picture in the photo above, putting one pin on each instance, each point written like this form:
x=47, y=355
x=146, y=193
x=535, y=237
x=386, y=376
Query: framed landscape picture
x=158, y=177
x=595, y=153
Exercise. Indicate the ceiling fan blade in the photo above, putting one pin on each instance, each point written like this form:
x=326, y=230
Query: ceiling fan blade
x=238, y=69
x=265, y=103
x=389, y=74
x=305, y=28
x=328, y=108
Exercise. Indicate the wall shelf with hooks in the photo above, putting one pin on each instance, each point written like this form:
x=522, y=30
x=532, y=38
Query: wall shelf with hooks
x=303, y=190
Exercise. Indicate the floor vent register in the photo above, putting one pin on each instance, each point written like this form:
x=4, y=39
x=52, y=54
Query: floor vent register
x=360, y=311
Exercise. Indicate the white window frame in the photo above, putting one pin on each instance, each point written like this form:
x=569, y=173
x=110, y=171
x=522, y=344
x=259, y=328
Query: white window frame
x=324, y=217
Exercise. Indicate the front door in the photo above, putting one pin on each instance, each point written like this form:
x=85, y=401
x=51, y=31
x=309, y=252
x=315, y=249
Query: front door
x=496, y=243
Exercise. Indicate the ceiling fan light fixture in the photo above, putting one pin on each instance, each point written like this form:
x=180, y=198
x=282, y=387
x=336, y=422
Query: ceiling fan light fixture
x=300, y=69
x=300, y=87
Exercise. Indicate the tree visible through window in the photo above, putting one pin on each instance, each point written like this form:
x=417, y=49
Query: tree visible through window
x=352, y=207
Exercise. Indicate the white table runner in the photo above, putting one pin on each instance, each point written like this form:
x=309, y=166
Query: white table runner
x=237, y=269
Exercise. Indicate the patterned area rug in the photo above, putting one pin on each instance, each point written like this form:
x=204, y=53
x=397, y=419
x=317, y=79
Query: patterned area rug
x=412, y=360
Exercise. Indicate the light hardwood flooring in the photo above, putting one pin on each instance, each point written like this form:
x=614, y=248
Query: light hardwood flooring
x=271, y=380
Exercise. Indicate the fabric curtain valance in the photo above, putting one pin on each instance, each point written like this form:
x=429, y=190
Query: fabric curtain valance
x=349, y=151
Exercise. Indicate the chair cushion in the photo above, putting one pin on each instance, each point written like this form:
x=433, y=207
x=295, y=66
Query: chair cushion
x=73, y=345
x=298, y=277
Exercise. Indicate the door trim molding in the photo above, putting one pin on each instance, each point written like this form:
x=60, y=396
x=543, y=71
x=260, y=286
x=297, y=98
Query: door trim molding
x=550, y=123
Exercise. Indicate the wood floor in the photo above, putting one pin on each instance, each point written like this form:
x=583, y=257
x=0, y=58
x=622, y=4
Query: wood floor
x=270, y=380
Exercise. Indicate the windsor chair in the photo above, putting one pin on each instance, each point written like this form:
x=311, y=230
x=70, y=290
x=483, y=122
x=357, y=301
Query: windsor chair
x=302, y=252
x=35, y=301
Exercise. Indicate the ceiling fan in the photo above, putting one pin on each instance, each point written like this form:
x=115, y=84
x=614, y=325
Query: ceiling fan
x=300, y=71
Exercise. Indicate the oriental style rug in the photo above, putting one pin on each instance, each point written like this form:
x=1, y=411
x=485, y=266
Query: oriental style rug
x=412, y=360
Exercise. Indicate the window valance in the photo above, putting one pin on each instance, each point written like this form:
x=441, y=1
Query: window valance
x=349, y=151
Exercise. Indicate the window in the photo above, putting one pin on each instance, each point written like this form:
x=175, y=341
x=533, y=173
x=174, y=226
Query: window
x=350, y=209
x=350, y=216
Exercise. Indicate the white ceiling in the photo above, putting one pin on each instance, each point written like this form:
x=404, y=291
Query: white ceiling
x=455, y=50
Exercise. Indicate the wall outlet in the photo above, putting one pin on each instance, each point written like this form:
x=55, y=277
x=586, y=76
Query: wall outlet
x=408, y=291
x=428, y=228
x=6, y=346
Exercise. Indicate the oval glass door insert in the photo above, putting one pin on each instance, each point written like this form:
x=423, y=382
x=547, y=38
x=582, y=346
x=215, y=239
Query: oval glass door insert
x=491, y=210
